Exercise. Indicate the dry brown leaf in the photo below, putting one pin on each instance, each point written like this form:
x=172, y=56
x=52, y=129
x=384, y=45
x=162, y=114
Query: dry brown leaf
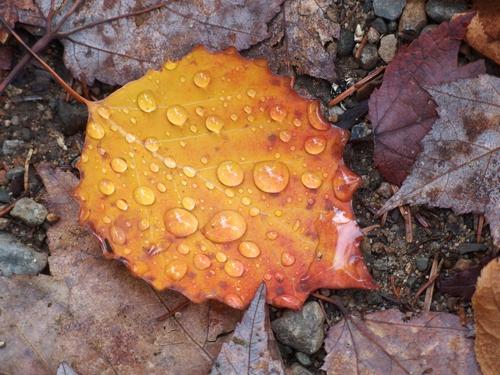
x=486, y=304
x=483, y=33
x=9, y=13
x=251, y=349
x=382, y=344
x=94, y=315
x=458, y=167
x=119, y=51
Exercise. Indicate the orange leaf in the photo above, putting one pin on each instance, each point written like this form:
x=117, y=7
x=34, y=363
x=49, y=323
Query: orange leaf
x=213, y=175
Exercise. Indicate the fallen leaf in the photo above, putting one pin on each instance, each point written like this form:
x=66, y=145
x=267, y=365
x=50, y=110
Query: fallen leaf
x=213, y=175
x=118, y=51
x=251, y=349
x=458, y=167
x=402, y=111
x=65, y=369
x=303, y=36
x=9, y=12
x=483, y=33
x=486, y=304
x=383, y=343
x=94, y=315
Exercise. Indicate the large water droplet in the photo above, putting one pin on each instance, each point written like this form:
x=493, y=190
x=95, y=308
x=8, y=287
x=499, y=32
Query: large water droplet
x=249, y=249
x=119, y=165
x=144, y=195
x=234, y=268
x=311, y=180
x=202, y=79
x=230, y=173
x=151, y=144
x=201, y=261
x=170, y=163
x=95, y=130
x=214, y=124
x=176, y=269
x=180, y=222
x=314, y=116
x=177, y=115
x=106, y=187
x=287, y=259
x=277, y=113
x=118, y=235
x=146, y=101
x=225, y=226
x=345, y=183
x=271, y=176
x=315, y=145
x=170, y=65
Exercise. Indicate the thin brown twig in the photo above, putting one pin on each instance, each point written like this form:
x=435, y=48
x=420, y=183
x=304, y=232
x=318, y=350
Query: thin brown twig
x=361, y=46
x=370, y=228
x=479, y=229
x=4, y=211
x=27, y=169
x=428, y=282
x=172, y=312
x=358, y=85
x=429, y=292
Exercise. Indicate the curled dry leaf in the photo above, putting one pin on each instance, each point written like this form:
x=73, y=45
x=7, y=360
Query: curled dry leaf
x=213, y=175
x=402, y=111
x=251, y=349
x=486, y=304
x=117, y=51
x=94, y=315
x=483, y=33
x=9, y=13
x=382, y=343
x=458, y=167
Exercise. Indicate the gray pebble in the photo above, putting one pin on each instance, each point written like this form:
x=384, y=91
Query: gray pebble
x=5, y=196
x=379, y=25
x=369, y=57
x=346, y=42
x=297, y=369
x=443, y=10
x=373, y=35
x=384, y=190
x=11, y=146
x=422, y=263
x=302, y=330
x=303, y=358
x=389, y=9
x=380, y=265
x=360, y=131
x=17, y=258
x=29, y=211
x=466, y=248
x=14, y=173
x=388, y=47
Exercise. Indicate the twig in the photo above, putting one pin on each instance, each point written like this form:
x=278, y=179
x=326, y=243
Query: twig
x=383, y=219
x=367, y=230
x=430, y=290
x=26, y=170
x=479, y=229
x=4, y=211
x=406, y=213
x=172, y=312
x=358, y=85
x=362, y=45
x=429, y=282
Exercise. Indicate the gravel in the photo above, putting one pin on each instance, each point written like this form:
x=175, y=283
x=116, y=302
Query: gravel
x=443, y=10
x=11, y=146
x=17, y=258
x=389, y=9
x=29, y=211
x=368, y=57
x=388, y=47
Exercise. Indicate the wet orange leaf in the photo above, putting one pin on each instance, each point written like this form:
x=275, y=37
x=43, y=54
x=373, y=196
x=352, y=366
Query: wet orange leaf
x=213, y=175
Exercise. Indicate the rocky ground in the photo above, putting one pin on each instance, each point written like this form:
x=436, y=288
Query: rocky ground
x=39, y=123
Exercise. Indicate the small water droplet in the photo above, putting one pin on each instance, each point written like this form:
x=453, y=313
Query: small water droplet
x=311, y=180
x=201, y=261
x=254, y=211
x=170, y=163
x=119, y=165
x=272, y=235
x=271, y=176
x=345, y=182
x=234, y=116
x=251, y=93
x=277, y=113
x=202, y=79
x=143, y=224
x=146, y=101
x=144, y=195
x=287, y=259
x=106, y=187
x=234, y=268
x=176, y=269
x=130, y=138
x=230, y=173
x=154, y=167
x=221, y=257
x=315, y=145
x=285, y=136
x=183, y=248
x=84, y=158
x=249, y=249
x=209, y=185
x=103, y=112
x=214, y=124
x=180, y=222
x=247, y=109
x=95, y=130
x=200, y=111
x=204, y=160
x=234, y=301
x=278, y=213
x=225, y=226
x=139, y=268
x=296, y=226
x=267, y=276
x=152, y=144
x=117, y=235
x=170, y=65
x=188, y=203
x=314, y=116
x=161, y=187
x=297, y=122
x=177, y=115
x=246, y=201
x=122, y=204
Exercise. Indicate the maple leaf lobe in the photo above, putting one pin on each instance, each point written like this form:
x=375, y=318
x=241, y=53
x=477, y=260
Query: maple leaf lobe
x=213, y=175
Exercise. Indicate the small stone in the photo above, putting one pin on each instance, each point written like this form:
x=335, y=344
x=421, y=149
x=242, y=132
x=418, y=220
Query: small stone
x=462, y=264
x=384, y=190
x=389, y=9
x=4, y=222
x=19, y=259
x=466, y=248
x=369, y=57
x=72, y=117
x=443, y=10
x=379, y=25
x=297, y=369
x=422, y=263
x=346, y=42
x=11, y=146
x=302, y=330
x=392, y=26
x=360, y=131
x=29, y=211
x=413, y=19
x=388, y=47
x=14, y=173
x=303, y=358
x=373, y=35
x=5, y=196
x=410, y=283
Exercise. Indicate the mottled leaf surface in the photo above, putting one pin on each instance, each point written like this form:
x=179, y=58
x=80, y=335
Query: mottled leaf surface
x=458, y=167
x=94, y=315
x=383, y=343
x=402, y=111
x=251, y=348
x=212, y=176
x=124, y=49
x=486, y=304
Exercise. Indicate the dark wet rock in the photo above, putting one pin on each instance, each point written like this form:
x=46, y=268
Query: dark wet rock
x=466, y=248
x=19, y=259
x=303, y=359
x=368, y=57
x=346, y=42
x=379, y=25
x=11, y=146
x=389, y=9
x=297, y=369
x=443, y=10
x=422, y=263
x=72, y=117
x=14, y=173
x=5, y=195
